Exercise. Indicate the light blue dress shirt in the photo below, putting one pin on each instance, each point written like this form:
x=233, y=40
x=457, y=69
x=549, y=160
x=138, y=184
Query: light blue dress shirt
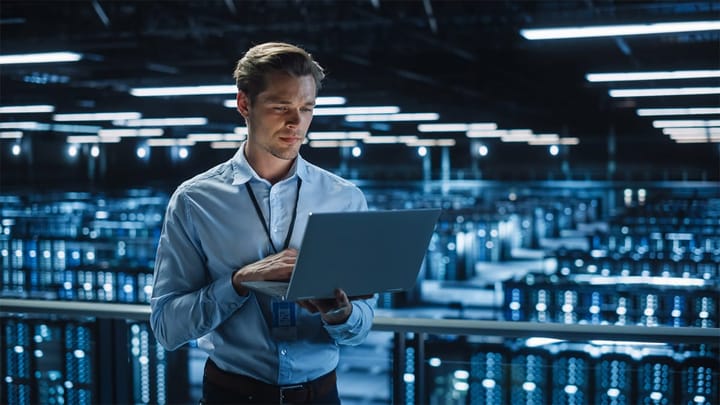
x=212, y=229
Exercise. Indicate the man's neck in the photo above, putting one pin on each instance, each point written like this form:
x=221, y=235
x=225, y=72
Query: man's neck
x=267, y=166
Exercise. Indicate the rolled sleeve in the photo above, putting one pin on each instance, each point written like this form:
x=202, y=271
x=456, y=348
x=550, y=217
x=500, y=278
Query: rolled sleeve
x=357, y=326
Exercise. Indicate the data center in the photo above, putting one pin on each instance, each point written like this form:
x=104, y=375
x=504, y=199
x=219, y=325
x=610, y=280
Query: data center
x=573, y=148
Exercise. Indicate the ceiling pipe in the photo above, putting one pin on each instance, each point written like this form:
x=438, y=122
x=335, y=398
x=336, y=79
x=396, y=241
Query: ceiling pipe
x=101, y=13
x=431, y=18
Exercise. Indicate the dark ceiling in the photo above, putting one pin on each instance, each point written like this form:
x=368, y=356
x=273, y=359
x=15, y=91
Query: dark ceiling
x=463, y=59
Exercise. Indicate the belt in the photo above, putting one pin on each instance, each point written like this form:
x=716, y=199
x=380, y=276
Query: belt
x=263, y=392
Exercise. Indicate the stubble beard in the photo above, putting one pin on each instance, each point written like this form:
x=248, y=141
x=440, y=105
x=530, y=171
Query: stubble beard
x=284, y=154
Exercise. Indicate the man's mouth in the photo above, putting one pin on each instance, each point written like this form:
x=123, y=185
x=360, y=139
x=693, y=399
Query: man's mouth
x=290, y=139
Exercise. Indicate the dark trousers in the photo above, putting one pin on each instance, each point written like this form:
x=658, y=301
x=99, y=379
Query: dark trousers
x=221, y=387
x=216, y=395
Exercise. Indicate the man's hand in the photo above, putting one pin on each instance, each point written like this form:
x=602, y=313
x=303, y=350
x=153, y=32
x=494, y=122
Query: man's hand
x=277, y=267
x=333, y=310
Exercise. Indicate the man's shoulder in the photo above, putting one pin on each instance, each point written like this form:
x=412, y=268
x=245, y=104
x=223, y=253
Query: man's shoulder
x=326, y=177
x=213, y=177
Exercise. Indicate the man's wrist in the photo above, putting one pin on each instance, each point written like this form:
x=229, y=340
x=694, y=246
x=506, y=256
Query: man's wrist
x=237, y=284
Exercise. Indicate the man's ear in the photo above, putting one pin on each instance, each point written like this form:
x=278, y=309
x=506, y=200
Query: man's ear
x=243, y=103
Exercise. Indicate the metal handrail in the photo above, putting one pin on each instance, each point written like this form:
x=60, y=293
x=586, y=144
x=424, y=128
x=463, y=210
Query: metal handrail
x=663, y=334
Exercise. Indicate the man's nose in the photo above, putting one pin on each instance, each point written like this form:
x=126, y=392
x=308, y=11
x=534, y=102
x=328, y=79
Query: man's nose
x=293, y=117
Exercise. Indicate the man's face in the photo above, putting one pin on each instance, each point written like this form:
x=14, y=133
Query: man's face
x=279, y=117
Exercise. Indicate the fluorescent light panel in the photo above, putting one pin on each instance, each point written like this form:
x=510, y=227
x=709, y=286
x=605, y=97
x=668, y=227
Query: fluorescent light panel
x=457, y=127
x=333, y=144
x=207, y=137
x=705, y=140
x=633, y=76
x=170, y=142
x=27, y=125
x=225, y=145
x=83, y=129
x=431, y=142
x=45, y=57
x=328, y=100
x=691, y=130
x=685, y=123
x=545, y=139
x=689, y=136
x=518, y=138
x=161, y=122
x=393, y=117
x=653, y=112
x=131, y=132
x=355, y=110
x=618, y=30
x=486, y=134
x=338, y=135
x=183, y=90
x=681, y=91
x=235, y=137
x=569, y=141
x=11, y=135
x=92, y=139
x=22, y=109
x=104, y=116
x=390, y=139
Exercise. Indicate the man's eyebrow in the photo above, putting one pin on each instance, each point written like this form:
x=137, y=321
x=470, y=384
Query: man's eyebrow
x=281, y=101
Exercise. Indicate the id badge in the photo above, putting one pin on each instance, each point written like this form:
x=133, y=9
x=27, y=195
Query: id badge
x=284, y=320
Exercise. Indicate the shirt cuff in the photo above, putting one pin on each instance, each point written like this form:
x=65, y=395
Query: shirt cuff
x=353, y=325
x=226, y=296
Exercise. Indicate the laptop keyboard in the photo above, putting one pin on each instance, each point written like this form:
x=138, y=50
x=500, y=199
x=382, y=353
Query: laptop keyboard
x=276, y=289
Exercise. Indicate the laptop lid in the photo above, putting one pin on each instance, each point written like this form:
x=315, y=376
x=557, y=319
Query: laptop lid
x=363, y=253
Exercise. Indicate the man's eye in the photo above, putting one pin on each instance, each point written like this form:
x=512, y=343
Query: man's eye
x=306, y=109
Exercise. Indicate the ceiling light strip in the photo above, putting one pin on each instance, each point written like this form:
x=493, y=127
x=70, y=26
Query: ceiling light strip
x=393, y=117
x=431, y=142
x=478, y=126
x=638, y=76
x=44, y=57
x=11, y=134
x=225, y=145
x=338, y=135
x=328, y=111
x=183, y=90
x=170, y=142
x=618, y=30
x=207, y=137
x=26, y=109
x=104, y=116
x=681, y=91
x=653, y=112
x=26, y=125
x=686, y=123
x=333, y=144
x=131, y=132
x=161, y=122
x=92, y=139
x=389, y=139
x=326, y=100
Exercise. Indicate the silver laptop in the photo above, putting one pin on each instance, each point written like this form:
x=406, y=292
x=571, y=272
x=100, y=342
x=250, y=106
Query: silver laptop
x=363, y=253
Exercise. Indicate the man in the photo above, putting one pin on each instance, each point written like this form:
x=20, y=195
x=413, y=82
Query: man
x=243, y=221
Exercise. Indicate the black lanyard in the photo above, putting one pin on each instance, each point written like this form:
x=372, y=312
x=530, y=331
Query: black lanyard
x=261, y=217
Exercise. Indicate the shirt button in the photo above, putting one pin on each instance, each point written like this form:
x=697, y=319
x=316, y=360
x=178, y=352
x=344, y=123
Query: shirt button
x=283, y=352
x=275, y=229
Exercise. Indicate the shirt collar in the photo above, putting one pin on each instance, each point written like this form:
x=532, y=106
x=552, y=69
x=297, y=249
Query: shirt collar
x=243, y=172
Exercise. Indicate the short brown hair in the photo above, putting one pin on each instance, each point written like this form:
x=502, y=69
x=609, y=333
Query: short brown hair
x=262, y=59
